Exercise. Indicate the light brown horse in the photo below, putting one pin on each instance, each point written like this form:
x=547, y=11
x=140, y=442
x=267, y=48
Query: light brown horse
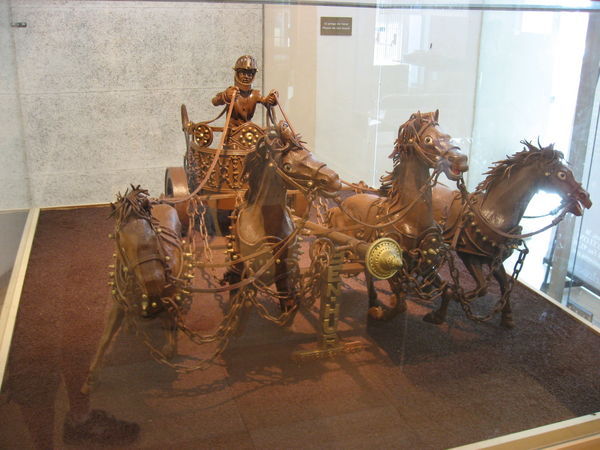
x=148, y=277
x=405, y=214
x=485, y=228
x=263, y=224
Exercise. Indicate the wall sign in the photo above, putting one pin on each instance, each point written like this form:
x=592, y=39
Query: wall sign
x=336, y=26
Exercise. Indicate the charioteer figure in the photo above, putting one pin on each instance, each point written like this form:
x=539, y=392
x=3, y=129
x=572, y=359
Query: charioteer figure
x=246, y=98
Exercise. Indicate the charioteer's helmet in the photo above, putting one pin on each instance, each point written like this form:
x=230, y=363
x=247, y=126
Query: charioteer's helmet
x=245, y=69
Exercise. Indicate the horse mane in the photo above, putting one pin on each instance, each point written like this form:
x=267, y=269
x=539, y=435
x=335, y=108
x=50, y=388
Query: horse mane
x=254, y=165
x=402, y=146
x=545, y=156
x=256, y=161
x=134, y=202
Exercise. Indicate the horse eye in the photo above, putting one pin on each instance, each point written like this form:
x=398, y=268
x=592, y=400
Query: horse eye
x=428, y=140
x=287, y=167
x=561, y=175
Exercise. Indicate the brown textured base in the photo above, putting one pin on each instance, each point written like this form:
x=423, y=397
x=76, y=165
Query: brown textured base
x=416, y=385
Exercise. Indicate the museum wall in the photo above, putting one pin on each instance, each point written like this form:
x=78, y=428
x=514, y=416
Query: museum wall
x=13, y=167
x=101, y=84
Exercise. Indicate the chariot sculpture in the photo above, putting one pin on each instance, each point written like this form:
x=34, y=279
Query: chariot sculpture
x=403, y=232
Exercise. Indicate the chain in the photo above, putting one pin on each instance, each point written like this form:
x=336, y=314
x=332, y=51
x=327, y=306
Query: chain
x=321, y=210
x=463, y=299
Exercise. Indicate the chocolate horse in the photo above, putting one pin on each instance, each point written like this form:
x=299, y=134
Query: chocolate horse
x=263, y=231
x=486, y=228
x=148, y=277
x=405, y=214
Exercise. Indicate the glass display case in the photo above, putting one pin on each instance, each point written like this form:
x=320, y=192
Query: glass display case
x=91, y=105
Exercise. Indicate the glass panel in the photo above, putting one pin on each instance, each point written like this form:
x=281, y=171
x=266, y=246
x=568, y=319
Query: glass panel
x=91, y=94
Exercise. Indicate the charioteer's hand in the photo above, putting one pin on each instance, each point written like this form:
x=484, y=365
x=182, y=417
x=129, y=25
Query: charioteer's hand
x=271, y=99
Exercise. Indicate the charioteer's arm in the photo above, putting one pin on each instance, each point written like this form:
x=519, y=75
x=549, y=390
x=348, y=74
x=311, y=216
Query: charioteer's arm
x=270, y=99
x=224, y=97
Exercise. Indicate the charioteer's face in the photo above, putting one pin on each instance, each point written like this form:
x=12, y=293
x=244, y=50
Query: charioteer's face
x=246, y=76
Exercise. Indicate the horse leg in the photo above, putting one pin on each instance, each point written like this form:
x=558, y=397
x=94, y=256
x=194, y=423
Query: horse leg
x=169, y=350
x=473, y=266
x=379, y=312
x=371, y=290
x=438, y=316
x=285, y=287
x=506, y=320
x=113, y=323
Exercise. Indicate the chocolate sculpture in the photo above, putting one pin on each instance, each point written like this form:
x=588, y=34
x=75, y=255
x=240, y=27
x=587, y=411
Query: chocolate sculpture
x=147, y=279
x=484, y=228
x=263, y=234
x=246, y=98
x=201, y=172
x=406, y=214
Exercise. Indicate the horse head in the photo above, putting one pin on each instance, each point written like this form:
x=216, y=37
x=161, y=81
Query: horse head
x=555, y=177
x=285, y=152
x=140, y=250
x=422, y=134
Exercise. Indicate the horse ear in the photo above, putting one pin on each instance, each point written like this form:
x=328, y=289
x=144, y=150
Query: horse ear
x=145, y=202
x=419, y=117
x=261, y=147
x=548, y=153
x=436, y=115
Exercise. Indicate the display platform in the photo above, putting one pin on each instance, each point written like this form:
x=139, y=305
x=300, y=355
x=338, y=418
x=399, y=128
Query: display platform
x=415, y=386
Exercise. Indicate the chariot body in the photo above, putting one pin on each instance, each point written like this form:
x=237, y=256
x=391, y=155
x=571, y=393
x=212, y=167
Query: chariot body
x=224, y=181
x=214, y=171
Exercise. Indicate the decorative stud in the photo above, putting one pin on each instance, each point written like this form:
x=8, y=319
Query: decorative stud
x=111, y=266
x=167, y=258
x=144, y=296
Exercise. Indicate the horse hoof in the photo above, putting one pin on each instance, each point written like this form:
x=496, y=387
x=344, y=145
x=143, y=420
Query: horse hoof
x=507, y=323
x=402, y=307
x=169, y=352
x=376, y=312
x=433, y=318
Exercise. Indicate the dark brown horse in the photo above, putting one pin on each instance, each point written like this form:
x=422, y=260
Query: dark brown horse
x=263, y=229
x=405, y=214
x=486, y=228
x=148, y=277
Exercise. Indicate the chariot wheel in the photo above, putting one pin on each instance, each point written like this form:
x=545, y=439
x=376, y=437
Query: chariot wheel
x=176, y=187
